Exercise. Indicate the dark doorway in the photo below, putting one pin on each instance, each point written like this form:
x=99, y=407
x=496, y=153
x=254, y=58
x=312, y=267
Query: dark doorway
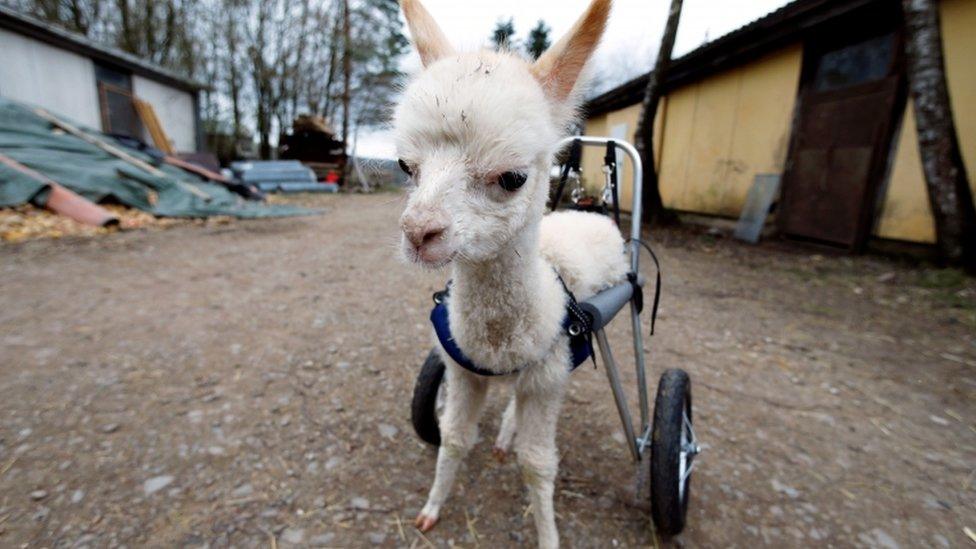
x=851, y=94
x=119, y=114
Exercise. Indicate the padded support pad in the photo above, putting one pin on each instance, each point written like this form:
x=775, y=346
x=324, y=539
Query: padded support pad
x=605, y=305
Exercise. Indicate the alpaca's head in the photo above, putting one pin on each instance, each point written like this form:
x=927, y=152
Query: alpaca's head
x=477, y=132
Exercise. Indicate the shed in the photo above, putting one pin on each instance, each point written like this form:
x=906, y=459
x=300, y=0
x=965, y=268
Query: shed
x=92, y=84
x=816, y=92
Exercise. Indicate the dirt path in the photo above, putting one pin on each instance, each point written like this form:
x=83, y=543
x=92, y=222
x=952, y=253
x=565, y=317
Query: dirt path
x=226, y=385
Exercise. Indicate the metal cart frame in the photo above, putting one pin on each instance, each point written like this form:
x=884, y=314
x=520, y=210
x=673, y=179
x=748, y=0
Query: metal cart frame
x=605, y=305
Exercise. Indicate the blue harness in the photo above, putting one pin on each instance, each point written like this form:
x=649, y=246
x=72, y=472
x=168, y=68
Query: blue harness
x=576, y=325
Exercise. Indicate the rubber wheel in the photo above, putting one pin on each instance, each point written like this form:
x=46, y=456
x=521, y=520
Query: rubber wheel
x=423, y=407
x=669, y=505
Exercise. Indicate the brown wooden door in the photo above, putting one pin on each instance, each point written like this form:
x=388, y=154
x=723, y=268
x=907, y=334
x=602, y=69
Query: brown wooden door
x=850, y=97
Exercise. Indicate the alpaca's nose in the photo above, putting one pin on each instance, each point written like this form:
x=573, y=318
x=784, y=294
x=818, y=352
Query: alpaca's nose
x=421, y=235
x=423, y=226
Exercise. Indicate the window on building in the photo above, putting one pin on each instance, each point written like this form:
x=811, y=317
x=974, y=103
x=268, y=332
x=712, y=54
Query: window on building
x=119, y=114
x=854, y=64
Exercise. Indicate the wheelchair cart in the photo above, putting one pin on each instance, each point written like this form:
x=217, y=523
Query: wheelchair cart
x=664, y=443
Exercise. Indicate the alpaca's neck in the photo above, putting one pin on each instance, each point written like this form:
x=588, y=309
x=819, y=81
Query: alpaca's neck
x=510, y=276
x=505, y=311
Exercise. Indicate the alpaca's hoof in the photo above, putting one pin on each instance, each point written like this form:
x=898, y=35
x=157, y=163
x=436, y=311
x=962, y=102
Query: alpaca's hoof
x=424, y=523
x=500, y=454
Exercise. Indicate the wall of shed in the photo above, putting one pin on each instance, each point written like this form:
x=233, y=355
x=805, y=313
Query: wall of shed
x=624, y=123
x=716, y=134
x=60, y=81
x=905, y=213
x=175, y=109
x=723, y=130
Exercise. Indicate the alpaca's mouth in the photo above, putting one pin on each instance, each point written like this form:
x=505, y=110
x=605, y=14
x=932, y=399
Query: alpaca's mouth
x=431, y=255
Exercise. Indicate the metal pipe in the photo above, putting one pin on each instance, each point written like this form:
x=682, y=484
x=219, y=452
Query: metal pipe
x=618, y=393
x=636, y=188
x=635, y=235
x=635, y=325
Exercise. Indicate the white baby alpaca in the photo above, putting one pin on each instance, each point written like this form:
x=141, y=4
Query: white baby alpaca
x=478, y=132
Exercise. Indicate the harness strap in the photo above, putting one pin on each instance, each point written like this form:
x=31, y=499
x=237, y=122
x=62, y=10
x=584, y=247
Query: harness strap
x=657, y=283
x=610, y=160
x=576, y=325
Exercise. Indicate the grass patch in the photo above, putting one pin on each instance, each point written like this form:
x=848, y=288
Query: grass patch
x=951, y=288
x=942, y=279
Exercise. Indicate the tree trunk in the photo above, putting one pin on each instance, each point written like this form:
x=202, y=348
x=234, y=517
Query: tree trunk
x=233, y=76
x=346, y=73
x=945, y=175
x=328, y=107
x=346, y=70
x=644, y=136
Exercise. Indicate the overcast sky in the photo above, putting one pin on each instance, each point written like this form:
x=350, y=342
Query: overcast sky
x=627, y=50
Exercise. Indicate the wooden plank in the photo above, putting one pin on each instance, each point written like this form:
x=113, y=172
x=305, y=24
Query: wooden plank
x=199, y=170
x=148, y=116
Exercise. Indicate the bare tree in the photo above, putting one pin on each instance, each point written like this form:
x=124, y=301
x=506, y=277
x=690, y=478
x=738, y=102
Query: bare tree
x=261, y=76
x=265, y=61
x=950, y=196
x=328, y=106
x=644, y=135
x=81, y=16
x=232, y=54
x=346, y=72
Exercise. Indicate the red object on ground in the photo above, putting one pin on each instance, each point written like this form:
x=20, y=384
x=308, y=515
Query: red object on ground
x=64, y=201
x=79, y=208
x=332, y=177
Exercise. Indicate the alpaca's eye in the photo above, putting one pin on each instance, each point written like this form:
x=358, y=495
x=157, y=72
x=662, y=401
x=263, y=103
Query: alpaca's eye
x=404, y=167
x=511, y=181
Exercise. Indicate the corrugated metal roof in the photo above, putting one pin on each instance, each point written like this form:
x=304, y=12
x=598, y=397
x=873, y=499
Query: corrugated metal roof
x=788, y=24
x=27, y=25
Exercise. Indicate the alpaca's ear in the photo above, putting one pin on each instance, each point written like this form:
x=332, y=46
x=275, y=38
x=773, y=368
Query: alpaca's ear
x=427, y=36
x=560, y=66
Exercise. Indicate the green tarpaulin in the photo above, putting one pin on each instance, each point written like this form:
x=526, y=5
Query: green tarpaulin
x=100, y=177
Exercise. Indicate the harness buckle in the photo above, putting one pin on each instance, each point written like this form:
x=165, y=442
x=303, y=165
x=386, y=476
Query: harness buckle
x=607, y=196
x=577, y=193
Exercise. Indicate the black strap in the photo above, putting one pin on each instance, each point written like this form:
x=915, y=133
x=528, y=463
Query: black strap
x=572, y=163
x=610, y=160
x=582, y=342
x=657, y=282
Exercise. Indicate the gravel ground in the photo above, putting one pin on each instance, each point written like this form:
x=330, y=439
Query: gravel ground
x=248, y=385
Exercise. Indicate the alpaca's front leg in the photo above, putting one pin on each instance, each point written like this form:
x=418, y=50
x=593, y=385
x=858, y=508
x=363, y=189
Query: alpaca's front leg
x=459, y=429
x=535, y=446
x=503, y=442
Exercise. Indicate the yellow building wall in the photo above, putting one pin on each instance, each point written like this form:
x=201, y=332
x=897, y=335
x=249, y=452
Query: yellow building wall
x=725, y=129
x=623, y=121
x=712, y=136
x=905, y=213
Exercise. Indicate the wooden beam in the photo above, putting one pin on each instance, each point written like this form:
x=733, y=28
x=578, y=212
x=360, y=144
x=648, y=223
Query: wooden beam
x=148, y=116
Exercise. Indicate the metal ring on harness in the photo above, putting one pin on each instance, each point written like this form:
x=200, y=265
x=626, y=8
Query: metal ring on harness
x=575, y=329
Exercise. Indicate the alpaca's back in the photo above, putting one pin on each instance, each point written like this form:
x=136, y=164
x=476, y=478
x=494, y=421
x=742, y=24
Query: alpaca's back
x=586, y=249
